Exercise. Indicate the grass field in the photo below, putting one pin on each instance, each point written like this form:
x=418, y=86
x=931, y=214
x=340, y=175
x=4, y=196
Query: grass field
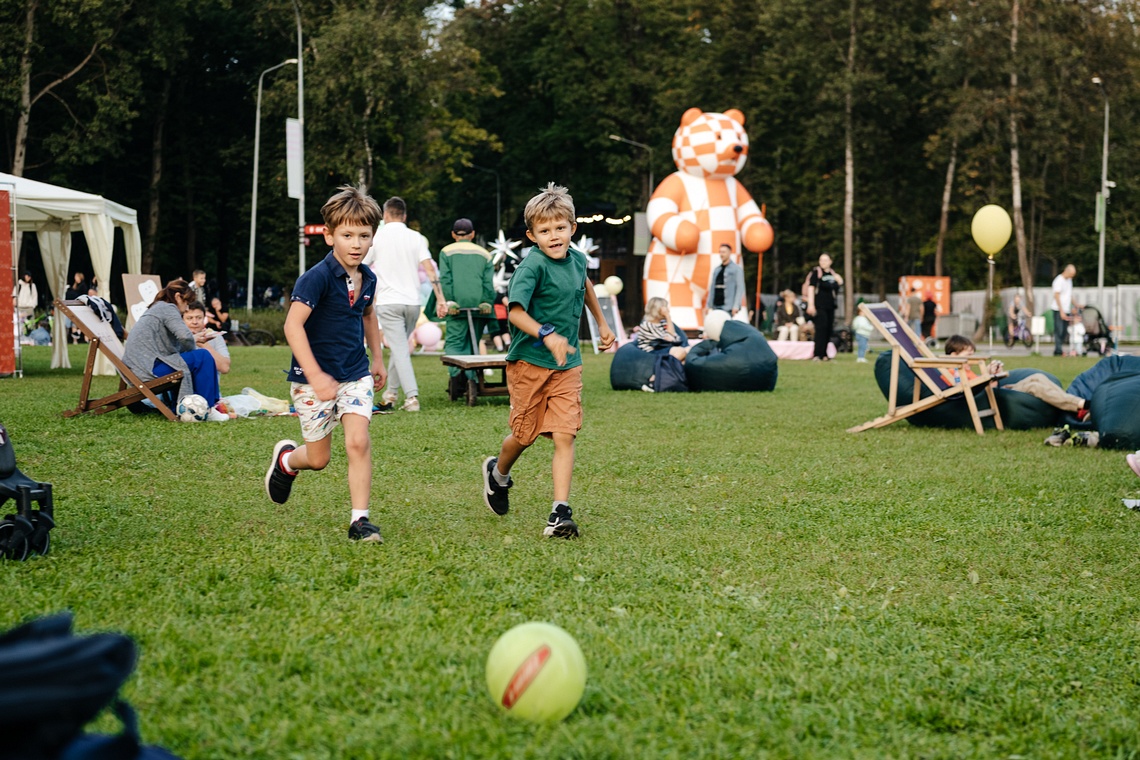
x=751, y=581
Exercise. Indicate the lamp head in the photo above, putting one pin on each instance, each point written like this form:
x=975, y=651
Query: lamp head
x=1098, y=81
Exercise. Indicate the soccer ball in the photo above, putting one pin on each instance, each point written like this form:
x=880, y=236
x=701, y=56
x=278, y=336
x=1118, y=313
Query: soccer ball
x=536, y=672
x=193, y=408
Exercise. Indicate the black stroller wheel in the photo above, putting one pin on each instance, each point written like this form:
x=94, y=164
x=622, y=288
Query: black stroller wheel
x=13, y=545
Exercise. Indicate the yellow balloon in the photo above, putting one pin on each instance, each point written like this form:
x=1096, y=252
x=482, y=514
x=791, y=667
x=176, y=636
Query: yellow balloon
x=991, y=228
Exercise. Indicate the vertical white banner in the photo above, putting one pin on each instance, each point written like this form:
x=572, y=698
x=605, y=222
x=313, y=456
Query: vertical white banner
x=293, y=157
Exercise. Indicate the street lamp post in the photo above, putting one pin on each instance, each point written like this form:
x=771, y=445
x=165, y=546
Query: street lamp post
x=1102, y=200
x=253, y=201
x=498, y=196
x=301, y=141
x=648, y=150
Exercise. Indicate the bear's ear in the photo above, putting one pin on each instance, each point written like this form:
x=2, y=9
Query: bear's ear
x=735, y=115
x=690, y=116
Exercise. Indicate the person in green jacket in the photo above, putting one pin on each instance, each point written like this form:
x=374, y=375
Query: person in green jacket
x=465, y=273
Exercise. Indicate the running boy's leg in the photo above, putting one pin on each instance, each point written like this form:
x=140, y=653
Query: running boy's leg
x=562, y=466
x=358, y=447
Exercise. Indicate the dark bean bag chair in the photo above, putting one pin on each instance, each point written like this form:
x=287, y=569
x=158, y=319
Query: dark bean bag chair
x=741, y=360
x=632, y=367
x=1116, y=409
x=1085, y=384
x=1019, y=411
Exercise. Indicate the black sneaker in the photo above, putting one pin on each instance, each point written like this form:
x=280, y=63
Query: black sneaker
x=559, y=524
x=279, y=483
x=1062, y=436
x=383, y=408
x=362, y=530
x=495, y=496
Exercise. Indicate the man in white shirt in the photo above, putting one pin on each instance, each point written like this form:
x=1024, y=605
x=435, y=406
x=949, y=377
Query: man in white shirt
x=396, y=257
x=1062, y=307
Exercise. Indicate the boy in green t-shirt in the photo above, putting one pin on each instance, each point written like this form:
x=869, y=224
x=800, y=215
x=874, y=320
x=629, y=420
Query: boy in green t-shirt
x=544, y=370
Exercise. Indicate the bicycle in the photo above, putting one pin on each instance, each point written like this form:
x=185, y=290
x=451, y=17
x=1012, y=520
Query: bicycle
x=243, y=336
x=1019, y=330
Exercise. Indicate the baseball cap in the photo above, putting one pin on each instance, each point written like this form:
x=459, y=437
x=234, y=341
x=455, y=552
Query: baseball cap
x=462, y=226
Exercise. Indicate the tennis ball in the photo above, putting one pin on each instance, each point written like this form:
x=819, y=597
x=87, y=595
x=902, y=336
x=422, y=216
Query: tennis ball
x=536, y=672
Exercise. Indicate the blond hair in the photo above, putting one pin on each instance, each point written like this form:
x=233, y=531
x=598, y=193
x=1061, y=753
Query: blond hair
x=654, y=308
x=351, y=205
x=552, y=203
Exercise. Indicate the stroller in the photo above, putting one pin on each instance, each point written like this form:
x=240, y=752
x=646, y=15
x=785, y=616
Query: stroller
x=1098, y=338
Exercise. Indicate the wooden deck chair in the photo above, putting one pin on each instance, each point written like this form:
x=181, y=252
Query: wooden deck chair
x=103, y=340
x=909, y=348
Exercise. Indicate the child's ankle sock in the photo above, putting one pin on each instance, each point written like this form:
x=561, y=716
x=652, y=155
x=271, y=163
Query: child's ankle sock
x=285, y=463
x=357, y=514
x=499, y=477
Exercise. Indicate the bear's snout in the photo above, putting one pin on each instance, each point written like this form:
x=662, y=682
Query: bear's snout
x=738, y=148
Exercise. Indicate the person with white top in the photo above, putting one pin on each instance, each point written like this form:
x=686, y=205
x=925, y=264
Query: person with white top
x=1062, y=307
x=396, y=257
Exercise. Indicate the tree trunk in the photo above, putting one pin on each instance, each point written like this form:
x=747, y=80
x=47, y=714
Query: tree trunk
x=1015, y=167
x=20, y=154
x=155, y=179
x=849, y=189
x=943, y=223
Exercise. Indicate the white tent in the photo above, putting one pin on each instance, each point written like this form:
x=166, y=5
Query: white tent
x=50, y=211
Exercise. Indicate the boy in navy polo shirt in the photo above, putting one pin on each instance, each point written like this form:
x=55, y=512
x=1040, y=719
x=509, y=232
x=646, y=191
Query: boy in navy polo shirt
x=329, y=320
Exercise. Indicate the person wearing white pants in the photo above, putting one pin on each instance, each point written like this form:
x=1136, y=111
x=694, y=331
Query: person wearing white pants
x=396, y=256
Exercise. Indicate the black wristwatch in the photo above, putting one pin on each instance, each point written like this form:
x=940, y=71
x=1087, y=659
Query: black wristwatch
x=547, y=329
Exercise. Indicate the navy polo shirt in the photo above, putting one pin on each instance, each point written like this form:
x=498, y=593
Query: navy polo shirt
x=335, y=329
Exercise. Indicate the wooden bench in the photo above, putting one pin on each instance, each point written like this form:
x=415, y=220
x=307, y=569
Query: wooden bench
x=463, y=385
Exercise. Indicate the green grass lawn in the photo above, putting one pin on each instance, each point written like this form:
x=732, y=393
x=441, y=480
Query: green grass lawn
x=751, y=581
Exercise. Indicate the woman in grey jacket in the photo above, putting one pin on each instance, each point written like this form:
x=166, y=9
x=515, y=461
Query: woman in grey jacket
x=160, y=343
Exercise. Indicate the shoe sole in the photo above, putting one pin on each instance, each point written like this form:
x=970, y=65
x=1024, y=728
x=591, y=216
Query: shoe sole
x=563, y=530
x=487, y=487
x=371, y=539
x=273, y=463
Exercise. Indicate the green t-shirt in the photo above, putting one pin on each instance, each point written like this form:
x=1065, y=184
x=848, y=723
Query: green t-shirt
x=550, y=290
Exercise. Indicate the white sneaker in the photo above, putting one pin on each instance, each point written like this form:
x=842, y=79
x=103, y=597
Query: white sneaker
x=411, y=404
x=861, y=361
x=215, y=416
x=647, y=389
x=388, y=397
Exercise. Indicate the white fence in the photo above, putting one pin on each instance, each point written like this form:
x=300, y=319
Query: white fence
x=1121, y=307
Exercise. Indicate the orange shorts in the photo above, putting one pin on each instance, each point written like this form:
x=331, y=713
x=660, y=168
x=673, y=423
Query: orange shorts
x=543, y=401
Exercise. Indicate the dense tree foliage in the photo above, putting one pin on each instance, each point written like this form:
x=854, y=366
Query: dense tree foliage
x=153, y=105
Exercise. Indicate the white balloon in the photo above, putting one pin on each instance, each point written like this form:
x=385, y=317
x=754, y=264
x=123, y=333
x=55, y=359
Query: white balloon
x=614, y=284
x=600, y=291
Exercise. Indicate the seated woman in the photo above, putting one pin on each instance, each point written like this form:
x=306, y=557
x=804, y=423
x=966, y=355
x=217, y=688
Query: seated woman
x=1036, y=385
x=656, y=332
x=161, y=343
x=657, y=335
x=788, y=317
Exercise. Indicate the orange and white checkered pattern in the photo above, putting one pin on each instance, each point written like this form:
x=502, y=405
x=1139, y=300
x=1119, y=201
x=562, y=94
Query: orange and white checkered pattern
x=708, y=149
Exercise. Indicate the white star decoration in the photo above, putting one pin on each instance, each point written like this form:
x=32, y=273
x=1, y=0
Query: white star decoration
x=587, y=246
x=503, y=249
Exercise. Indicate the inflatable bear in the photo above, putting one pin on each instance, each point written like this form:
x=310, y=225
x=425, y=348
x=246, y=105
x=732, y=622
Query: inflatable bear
x=698, y=208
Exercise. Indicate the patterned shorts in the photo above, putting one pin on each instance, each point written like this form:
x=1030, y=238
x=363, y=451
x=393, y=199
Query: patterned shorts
x=318, y=418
